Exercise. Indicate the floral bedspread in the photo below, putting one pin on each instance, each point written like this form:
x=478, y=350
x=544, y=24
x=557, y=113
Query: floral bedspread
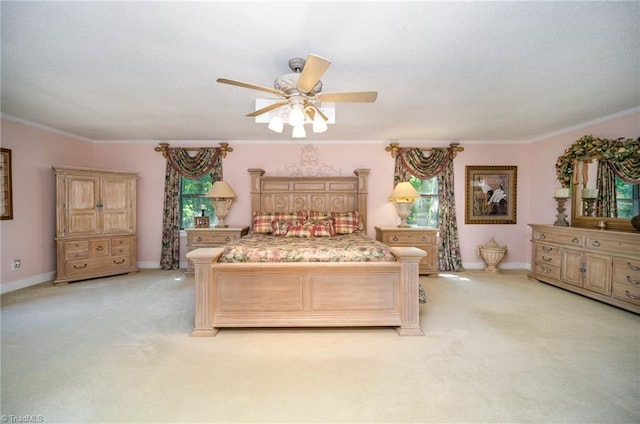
x=355, y=247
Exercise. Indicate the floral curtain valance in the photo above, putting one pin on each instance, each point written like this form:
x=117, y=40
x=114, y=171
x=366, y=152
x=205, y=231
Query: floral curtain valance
x=621, y=155
x=412, y=161
x=196, y=166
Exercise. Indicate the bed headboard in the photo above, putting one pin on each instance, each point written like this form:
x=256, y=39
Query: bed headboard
x=326, y=194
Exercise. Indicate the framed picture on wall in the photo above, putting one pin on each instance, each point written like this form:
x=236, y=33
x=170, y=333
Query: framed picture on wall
x=6, y=194
x=491, y=194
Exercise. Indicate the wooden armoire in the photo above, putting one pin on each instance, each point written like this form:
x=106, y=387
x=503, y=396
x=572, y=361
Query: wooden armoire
x=95, y=223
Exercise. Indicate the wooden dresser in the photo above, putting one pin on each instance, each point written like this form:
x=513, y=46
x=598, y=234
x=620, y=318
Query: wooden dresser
x=211, y=237
x=95, y=223
x=422, y=238
x=601, y=264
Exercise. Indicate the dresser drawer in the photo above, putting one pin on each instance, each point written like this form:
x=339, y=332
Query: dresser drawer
x=560, y=238
x=627, y=292
x=76, y=250
x=626, y=271
x=599, y=243
x=548, y=255
x=549, y=271
x=99, y=248
x=120, y=246
x=98, y=266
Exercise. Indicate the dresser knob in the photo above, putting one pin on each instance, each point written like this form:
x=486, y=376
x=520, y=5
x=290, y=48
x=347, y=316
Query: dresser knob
x=227, y=238
x=199, y=238
x=595, y=244
x=634, y=282
x=632, y=267
x=394, y=238
x=575, y=240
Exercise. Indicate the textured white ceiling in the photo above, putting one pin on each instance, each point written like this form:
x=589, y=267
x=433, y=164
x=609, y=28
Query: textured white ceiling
x=499, y=71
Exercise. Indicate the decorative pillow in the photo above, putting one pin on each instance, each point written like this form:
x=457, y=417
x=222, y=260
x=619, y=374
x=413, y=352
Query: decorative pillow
x=262, y=220
x=303, y=231
x=322, y=228
x=346, y=222
x=315, y=215
x=279, y=228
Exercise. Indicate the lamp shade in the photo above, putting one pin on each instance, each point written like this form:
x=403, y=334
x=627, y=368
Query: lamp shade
x=404, y=192
x=221, y=190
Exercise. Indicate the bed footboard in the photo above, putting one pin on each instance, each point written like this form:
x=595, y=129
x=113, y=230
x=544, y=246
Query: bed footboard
x=306, y=294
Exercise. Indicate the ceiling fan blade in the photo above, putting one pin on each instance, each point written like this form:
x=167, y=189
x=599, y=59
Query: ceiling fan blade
x=251, y=86
x=267, y=109
x=355, y=97
x=314, y=68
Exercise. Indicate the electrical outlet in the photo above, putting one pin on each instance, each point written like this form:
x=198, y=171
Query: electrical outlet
x=17, y=263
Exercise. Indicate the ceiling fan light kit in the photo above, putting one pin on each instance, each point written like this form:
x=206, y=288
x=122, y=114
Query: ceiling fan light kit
x=302, y=97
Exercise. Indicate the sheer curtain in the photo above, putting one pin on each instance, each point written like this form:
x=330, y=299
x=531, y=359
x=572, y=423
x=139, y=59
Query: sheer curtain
x=181, y=164
x=413, y=162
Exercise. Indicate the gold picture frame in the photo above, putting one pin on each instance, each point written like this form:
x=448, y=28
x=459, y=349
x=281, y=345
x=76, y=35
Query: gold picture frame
x=491, y=195
x=6, y=194
x=201, y=221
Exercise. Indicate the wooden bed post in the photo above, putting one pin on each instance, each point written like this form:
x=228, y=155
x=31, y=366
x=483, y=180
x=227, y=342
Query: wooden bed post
x=202, y=259
x=363, y=191
x=409, y=258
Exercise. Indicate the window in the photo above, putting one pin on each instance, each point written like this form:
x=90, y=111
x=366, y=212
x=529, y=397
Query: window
x=627, y=198
x=192, y=200
x=424, y=212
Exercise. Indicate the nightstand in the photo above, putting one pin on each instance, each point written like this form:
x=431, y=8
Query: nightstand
x=422, y=238
x=211, y=237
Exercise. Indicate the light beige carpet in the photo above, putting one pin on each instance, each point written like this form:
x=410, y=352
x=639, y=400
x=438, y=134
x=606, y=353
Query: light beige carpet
x=498, y=349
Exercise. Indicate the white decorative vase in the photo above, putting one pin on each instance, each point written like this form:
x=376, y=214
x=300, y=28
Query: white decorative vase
x=492, y=253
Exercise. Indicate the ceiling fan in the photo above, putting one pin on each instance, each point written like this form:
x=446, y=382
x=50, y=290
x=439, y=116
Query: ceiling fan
x=301, y=90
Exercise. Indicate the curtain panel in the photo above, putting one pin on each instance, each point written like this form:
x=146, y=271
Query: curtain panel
x=413, y=162
x=181, y=164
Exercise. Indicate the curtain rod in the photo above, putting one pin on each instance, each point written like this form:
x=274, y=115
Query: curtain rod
x=393, y=148
x=163, y=147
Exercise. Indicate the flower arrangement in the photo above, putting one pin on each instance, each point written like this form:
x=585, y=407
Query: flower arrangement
x=589, y=147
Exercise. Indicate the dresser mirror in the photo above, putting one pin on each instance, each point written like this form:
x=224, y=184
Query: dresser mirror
x=600, y=198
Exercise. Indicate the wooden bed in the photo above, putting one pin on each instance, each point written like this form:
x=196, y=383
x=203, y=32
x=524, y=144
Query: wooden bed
x=307, y=294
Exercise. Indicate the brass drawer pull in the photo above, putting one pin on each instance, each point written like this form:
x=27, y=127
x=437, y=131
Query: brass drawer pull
x=199, y=238
x=575, y=240
x=100, y=248
x=629, y=295
x=542, y=236
x=545, y=270
x=227, y=238
x=394, y=238
x=547, y=259
x=634, y=282
x=632, y=267
x=595, y=244
x=80, y=267
x=120, y=262
x=546, y=249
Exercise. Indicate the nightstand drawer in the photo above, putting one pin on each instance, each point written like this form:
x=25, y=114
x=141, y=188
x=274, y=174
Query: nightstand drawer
x=211, y=239
x=408, y=238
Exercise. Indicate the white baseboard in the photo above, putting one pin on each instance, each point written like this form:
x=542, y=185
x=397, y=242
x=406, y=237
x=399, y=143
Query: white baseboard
x=507, y=265
x=27, y=282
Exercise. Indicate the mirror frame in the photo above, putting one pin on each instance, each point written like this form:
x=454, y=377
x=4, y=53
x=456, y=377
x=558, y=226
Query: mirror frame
x=585, y=149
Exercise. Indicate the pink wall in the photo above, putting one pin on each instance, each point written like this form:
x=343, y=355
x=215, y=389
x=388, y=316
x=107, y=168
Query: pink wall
x=29, y=236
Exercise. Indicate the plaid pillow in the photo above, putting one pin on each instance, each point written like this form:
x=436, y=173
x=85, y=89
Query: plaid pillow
x=315, y=215
x=279, y=228
x=322, y=228
x=262, y=220
x=346, y=222
x=303, y=231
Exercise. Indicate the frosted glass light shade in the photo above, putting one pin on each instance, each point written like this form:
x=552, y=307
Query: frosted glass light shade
x=299, y=132
x=296, y=116
x=276, y=124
